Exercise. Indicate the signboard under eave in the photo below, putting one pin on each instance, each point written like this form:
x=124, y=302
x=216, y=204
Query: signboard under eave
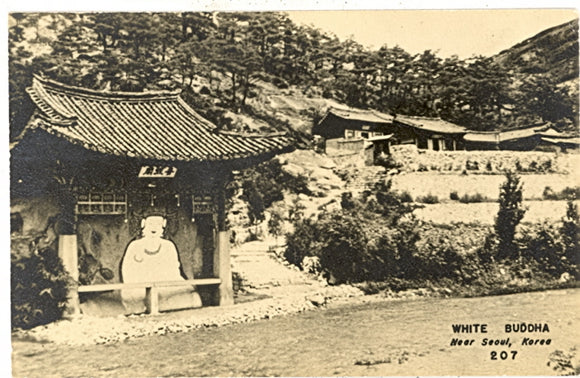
x=157, y=171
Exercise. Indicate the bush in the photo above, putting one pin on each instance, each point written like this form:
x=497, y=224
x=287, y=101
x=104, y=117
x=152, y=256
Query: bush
x=454, y=196
x=438, y=258
x=270, y=180
x=542, y=243
x=343, y=253
x=567, y=193
x=302, y=242
x=255, y=202
x=388, y=203
x=340, y=240
x=475, y=198
x=569, y=231
x=406, y=197
x=275, y=223
x=429, y=198
x=238, y=283
x=39, y=286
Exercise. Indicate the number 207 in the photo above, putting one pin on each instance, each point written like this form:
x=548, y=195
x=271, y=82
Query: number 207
x=503, y=355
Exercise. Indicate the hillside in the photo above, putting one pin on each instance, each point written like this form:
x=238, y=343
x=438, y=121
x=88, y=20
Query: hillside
x=553, y=51
x=259, y=72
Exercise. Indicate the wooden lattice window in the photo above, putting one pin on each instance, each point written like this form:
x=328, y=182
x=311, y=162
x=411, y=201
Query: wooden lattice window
x=101, y=203
x=203, y=204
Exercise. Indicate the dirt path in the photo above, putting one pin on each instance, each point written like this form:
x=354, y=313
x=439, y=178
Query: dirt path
x=405, y=337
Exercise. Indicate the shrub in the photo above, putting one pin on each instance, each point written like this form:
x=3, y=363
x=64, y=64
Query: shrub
x=454, y=196
x=296, y=211
x=422, y=168
x=429, y=198
x=269, y=180
x=570, y=230
x=39, y=286
x=388, y=203
x=567, y=193
x=547, y=166
x=238, y=283
x=255, y=202
x=347, y=201
x=471, y=165
x=340, y=241
x=405, y=197
x=570, y=193
x=548, y=193
x=343, y=253
x=542, y=243
x=431, y=259
x=302, y=241
x=275, y=224
x=475, y=198
x=488, y=166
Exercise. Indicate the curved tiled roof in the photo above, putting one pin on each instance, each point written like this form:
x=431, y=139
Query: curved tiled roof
x=503, y=136
x=436, y=125
x=372, y=116
x=148, y=125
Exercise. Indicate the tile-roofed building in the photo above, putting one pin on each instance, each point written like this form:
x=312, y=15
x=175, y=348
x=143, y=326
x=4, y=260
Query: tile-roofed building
x=352, y=123
x=526, y=138
x=97, y=172
x=425, y=132
x=148, y=125
x=436, y=125
x=429, y=132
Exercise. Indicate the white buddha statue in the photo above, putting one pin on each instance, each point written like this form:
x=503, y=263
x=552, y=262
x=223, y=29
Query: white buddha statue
x=152, y=258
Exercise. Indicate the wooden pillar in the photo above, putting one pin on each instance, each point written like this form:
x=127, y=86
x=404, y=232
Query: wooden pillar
x=429, y=144
x=221, y=263
x=223, y=270
x=152, y=300
x=454, y=145
x=68, y=253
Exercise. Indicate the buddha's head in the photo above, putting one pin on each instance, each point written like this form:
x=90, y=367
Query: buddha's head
x=153, y=226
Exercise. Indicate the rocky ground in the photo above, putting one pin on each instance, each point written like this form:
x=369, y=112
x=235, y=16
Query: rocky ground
x=85, y=330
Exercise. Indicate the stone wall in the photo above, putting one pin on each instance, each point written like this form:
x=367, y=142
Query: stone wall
x=341, y=144
x=412, y=159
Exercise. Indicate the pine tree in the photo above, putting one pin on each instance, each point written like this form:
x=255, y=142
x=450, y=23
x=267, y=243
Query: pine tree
x=511, y=212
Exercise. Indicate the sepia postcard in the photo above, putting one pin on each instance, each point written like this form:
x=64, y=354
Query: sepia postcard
x=258, y=190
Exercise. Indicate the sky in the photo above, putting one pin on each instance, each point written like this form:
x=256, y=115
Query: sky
x=452, y=32
x=485, y=28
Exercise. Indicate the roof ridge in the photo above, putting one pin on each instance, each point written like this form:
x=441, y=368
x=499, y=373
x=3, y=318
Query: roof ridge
x=422, y=117
x=486, y=132
x=352, y=110
x=109, y=95
x=255, y=135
